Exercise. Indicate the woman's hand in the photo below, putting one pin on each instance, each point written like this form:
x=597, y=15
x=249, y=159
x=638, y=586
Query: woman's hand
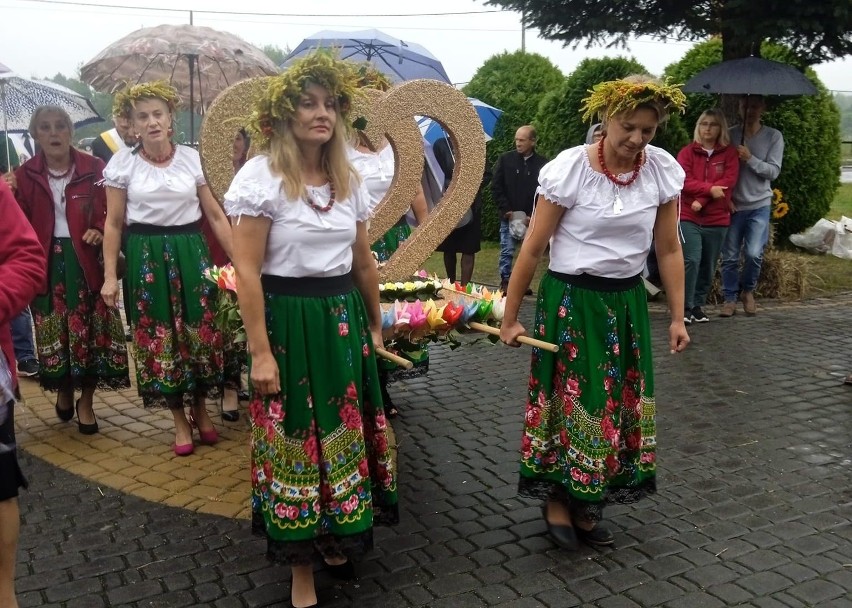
x=696, y=207
x=11, y=180
x=264, y=374
x=509, y=333
x=378, y=342
x=678, y=338
x=109, y=291
x=93, y=237
x=718, y=191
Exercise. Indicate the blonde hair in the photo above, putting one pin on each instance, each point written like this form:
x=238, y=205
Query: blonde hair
x=724, y=138
x=285, y=159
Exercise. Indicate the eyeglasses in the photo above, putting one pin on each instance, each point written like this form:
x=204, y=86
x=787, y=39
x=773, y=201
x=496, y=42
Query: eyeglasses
x=710, y=125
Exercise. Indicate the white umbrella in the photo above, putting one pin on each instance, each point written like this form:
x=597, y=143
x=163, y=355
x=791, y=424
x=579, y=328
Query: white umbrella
x=19, y=97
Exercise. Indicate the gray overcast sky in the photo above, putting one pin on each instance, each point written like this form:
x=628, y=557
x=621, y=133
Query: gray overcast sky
x=41, y=38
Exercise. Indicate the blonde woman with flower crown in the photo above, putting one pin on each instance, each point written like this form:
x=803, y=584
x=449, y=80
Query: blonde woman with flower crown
x=157, y=190
x=307, y=283
x=589, y=431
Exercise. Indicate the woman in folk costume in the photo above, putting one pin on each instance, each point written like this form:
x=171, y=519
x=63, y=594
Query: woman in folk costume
x=322, y=473
x=589, y=430
x=158, y=190
x=80, y=339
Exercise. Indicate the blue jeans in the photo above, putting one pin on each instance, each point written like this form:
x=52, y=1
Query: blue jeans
x=748, y=233
x=701, y=245
x=22, y=336
x=507, y=250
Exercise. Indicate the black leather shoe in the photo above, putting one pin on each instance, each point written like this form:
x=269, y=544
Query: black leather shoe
x=562, y=535
x=342, y=572
x=599, y=536
x=63, y=415
x=85, y=429
x=231, y=415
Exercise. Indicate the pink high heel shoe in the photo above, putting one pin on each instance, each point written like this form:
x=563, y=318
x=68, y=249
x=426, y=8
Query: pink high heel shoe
x=205, y=437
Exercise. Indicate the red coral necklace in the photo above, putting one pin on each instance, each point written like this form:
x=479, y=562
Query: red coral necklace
x=317, y=208
x=158, y=160
x=637, y=166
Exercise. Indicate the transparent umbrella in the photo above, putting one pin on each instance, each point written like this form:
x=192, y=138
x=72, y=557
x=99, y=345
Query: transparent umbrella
x=398, y=59
x=198, y=61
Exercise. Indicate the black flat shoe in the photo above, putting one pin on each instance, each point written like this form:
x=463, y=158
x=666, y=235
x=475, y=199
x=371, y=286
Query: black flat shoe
x=231, y=415
x=599, y=536
x=85, y=429
x=562, y=535
x=342, y=572
x=63, y=415
x=243, y=395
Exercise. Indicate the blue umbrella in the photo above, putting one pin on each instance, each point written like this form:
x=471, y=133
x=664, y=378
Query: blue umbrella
x=397, y=59
x=488, y=115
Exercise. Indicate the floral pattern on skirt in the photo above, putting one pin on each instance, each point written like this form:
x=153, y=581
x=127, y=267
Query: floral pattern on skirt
x=176, y=345
x=589, y=428
x=80, y=340
x=322, y=472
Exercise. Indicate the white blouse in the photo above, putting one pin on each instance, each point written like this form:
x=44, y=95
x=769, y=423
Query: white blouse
x=302, y=242
x=376, y=170
x=606, y=230
x=57, y=191
x=162, y=196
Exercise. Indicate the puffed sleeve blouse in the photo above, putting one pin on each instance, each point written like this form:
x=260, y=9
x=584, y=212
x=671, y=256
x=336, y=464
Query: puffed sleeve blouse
x=162, y=196
x=302, y=242
x=606, y=229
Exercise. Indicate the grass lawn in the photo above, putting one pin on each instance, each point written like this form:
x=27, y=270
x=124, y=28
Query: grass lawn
x=829, y=275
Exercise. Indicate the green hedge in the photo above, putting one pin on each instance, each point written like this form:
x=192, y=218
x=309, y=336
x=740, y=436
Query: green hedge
x=515, y=83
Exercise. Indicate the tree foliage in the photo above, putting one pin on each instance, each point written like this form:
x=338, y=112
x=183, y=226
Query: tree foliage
x=275, y=53
x=816, y=30
x=559, y=122
x=515, y=83
x=811, y=129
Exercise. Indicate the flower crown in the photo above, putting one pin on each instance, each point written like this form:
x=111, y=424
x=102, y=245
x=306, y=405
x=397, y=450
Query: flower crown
x=616, y=96
x=278, y=103
x=371, y=78
x=125, y=100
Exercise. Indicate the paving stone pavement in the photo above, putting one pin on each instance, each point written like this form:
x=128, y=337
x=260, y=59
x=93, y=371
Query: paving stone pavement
x=754, y=505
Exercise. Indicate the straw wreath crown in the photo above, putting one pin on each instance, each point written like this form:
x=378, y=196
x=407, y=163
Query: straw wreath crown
x=625, y=95
x=278, y=103
x=125, y=100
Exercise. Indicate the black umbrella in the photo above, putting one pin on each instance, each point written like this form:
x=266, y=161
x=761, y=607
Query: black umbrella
x=750, y=76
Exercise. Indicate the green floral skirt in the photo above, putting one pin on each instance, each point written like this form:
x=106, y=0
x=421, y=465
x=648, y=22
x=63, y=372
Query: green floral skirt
x=589, y=430
x=80, y=340
x=176, y=345
x=385, y=247
x=322, y=472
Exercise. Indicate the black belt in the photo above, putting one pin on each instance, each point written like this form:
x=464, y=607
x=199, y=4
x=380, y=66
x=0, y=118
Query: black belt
x=590, y=281
x=312, y=287
x=154, y=229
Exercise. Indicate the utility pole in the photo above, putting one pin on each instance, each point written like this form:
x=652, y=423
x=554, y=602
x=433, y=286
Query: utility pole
x=190, y=18
x=523, y=31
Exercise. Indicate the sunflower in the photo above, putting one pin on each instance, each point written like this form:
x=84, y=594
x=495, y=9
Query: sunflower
x=780, y=210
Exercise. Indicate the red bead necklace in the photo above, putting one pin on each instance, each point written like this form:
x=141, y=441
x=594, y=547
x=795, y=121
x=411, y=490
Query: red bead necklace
x=158, y=160
x=316, y=207
x=637, y=165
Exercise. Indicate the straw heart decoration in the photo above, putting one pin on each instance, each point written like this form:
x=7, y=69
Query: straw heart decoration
x=449, y=106
x=220, y=126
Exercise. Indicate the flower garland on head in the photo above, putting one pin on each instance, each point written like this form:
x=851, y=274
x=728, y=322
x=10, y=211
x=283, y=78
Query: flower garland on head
x=278, y=103
x=371, y=78
x=125, y=100
x=616, y=96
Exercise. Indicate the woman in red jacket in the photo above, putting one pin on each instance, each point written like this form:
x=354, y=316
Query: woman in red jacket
x=21, y=273
x=80, y=340
x=712, y=168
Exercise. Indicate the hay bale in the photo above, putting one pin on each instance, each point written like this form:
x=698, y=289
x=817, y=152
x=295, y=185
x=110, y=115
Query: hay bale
x=783, y=276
